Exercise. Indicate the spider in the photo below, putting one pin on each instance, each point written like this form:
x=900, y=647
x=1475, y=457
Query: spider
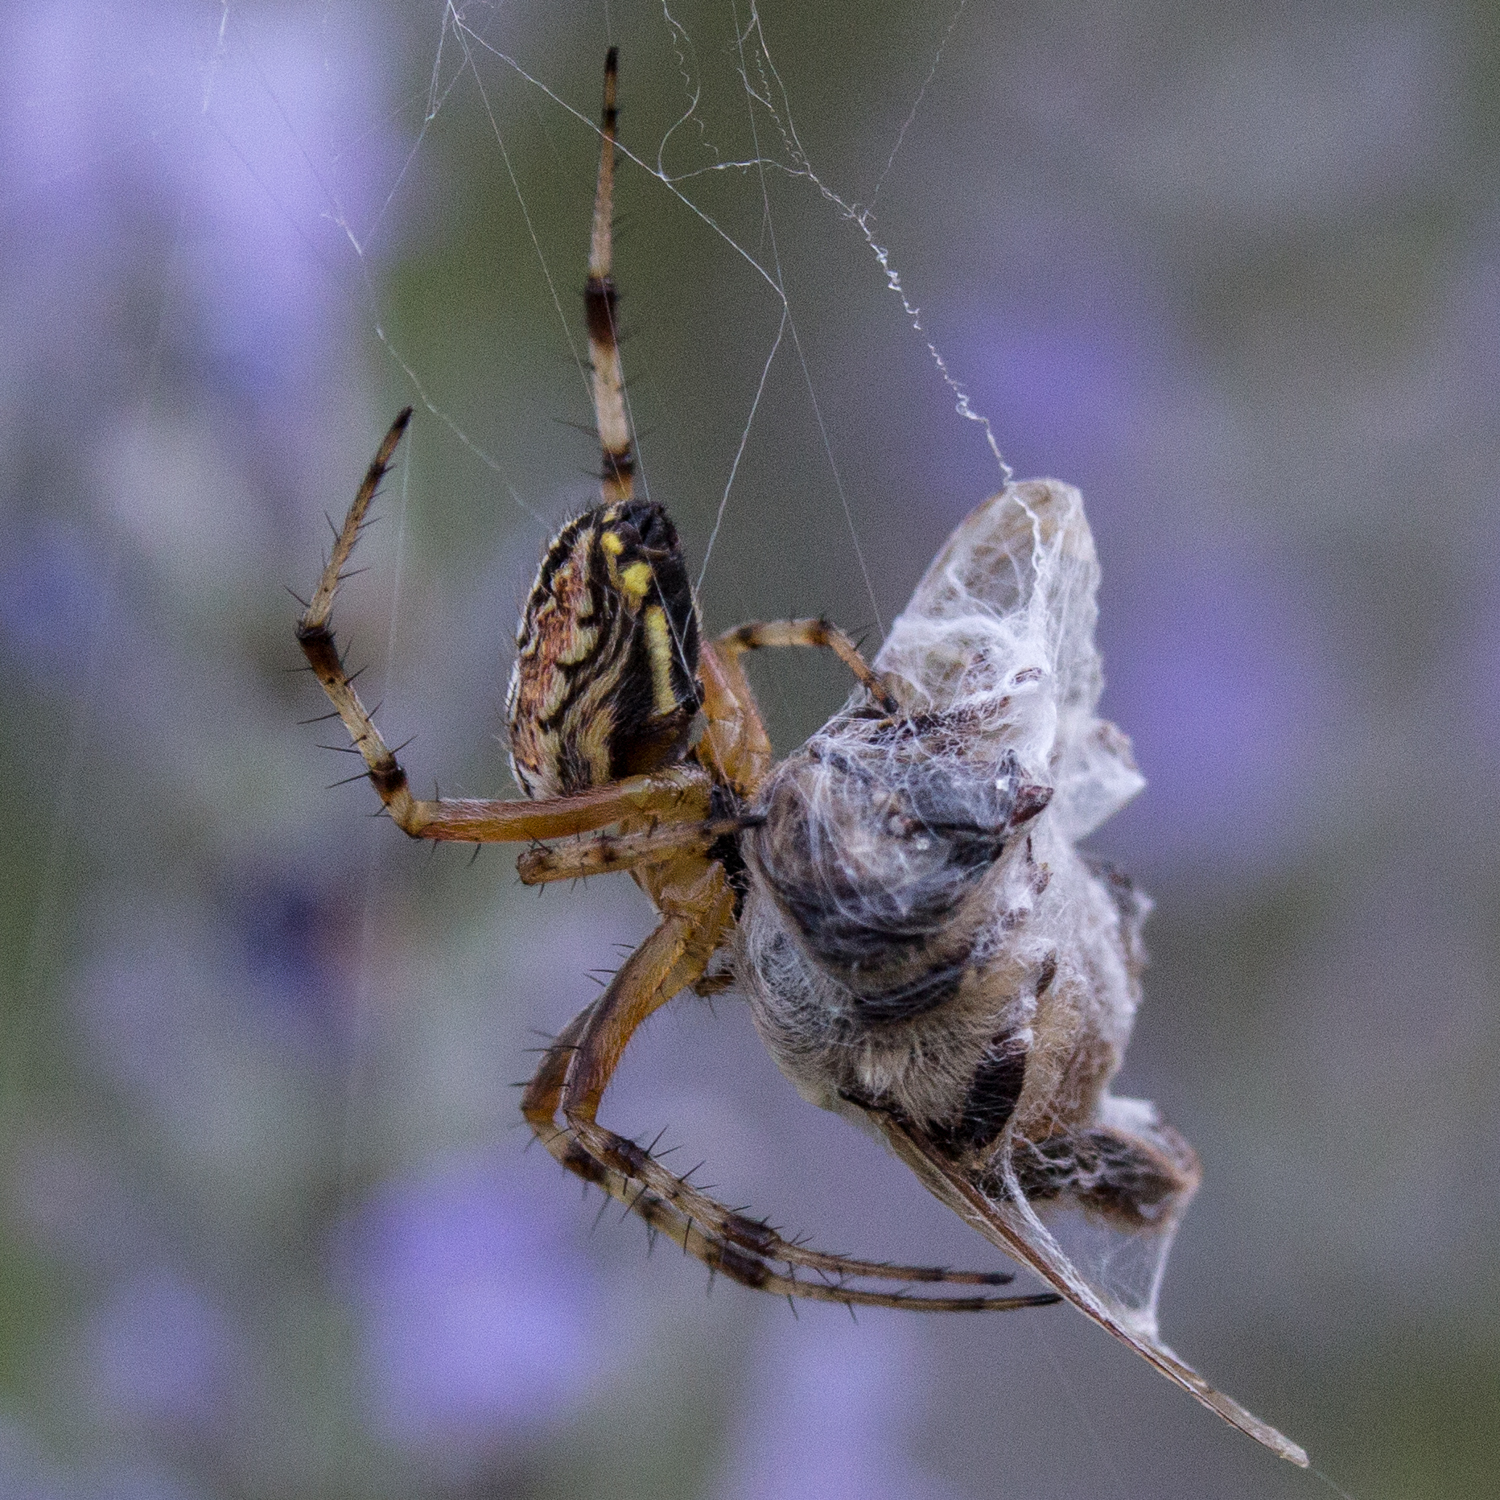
x=924, y=949
x=623, y=716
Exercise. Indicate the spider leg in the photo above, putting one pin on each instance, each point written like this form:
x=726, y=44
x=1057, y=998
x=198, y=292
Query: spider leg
x=734, y=739
x=607, y=382
x=678, y=794
x=758, y=634
x=605, y=853
x=575, y=1072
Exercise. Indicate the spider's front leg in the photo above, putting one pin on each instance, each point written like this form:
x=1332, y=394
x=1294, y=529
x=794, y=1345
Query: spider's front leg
x=698, y=908
x=756, y=635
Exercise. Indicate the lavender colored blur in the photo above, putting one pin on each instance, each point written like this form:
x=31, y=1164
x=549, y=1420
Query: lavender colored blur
x=269, y=1226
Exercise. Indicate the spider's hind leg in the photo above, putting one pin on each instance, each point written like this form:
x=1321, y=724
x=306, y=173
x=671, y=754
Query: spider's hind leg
x=571, y=1081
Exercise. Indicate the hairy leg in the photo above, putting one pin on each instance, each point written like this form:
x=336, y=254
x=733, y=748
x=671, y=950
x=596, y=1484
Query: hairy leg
x=607, y=381
x=572, y=1079
x=605, y=853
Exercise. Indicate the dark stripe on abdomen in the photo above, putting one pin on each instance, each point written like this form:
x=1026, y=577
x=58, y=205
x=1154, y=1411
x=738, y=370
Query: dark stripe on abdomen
x=991, y=1099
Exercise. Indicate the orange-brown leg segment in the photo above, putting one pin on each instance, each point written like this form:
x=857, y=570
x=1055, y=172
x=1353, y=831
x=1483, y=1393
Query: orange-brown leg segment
x=572, y=1079
x=735, y=742
x=605, y=853
x=758, y=634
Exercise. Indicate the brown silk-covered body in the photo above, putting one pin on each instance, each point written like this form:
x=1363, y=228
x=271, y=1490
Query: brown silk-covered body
x=606, y=676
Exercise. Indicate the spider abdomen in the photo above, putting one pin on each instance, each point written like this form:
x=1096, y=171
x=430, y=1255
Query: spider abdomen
x=605, y=683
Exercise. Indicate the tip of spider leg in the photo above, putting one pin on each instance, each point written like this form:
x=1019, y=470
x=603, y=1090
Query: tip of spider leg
x=791, y=1303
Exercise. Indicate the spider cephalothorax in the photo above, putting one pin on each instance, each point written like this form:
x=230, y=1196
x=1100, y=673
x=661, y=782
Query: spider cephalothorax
x=606, y=677
x=923, y=947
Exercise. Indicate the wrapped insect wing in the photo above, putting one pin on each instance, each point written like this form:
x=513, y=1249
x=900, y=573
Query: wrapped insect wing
x=928, y=952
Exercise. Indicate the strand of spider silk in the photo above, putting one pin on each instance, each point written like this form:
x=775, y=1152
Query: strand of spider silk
x=739, y=452
x=358, y=1081
x=1338, y=1489
x=861, y=220
x=19, y=1038
x=769, y=221
x=916, y=104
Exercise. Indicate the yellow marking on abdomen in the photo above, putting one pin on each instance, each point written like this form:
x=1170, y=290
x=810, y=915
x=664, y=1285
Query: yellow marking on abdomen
x=660, y=646
x=636, y=579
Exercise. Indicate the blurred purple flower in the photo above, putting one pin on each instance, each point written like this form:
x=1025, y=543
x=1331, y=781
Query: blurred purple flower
x=830, y=1407
x=1069, y=388
x=193, y=219
x=479, y=1322
x=159, y=1352
x=1236, y=713
x=52, y=587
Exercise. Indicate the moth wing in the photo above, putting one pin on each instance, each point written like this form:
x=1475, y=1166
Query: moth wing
x=1009, y=1229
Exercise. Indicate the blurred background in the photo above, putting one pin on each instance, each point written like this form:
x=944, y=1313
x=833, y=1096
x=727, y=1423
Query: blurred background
x=269, y=1227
